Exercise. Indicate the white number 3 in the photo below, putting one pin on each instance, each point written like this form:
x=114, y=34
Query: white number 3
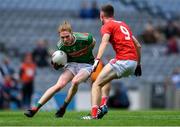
x=126, y=32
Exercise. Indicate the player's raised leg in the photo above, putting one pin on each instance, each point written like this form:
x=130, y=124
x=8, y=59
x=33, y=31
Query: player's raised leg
x=80, y=77
x=105, y=95
x=106, y=75
x=65, y=77
x=105, y=89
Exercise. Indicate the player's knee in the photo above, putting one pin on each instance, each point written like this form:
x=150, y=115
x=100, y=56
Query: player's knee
x=97, y=83
x=75, y=81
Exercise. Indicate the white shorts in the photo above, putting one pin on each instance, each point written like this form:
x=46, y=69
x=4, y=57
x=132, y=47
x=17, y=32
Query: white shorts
x=76, y=67
x=123, y=68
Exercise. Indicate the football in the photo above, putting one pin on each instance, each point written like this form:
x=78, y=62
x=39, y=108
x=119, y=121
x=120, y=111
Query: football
x=59, y=57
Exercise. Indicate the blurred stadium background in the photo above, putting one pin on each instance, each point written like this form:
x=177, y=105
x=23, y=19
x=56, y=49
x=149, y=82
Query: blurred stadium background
x=156, y=23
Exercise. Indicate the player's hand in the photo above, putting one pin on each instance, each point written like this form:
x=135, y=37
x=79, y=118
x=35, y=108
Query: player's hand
x=56, y=66
x=138, y=71
x=96, y=61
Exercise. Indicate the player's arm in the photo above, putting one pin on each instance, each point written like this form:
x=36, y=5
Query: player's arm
x=138, y=49
x=91, y=45
x=138, y=71
x=102, y=47
x=91, y=41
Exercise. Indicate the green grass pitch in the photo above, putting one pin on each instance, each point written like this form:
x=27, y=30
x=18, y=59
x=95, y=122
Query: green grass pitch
x=113, y=118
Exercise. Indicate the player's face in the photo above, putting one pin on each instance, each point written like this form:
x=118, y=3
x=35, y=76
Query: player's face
x=66, y=37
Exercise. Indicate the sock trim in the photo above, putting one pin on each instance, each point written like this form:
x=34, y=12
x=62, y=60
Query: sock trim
x=95, y=106
x=38, y=105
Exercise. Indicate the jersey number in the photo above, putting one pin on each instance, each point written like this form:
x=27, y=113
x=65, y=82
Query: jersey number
x=126, y=32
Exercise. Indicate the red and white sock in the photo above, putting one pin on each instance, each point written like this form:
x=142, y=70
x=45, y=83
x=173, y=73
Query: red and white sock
x=94, y=111
x=104, y=100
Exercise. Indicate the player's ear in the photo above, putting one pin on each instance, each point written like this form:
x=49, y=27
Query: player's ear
x=101, y=15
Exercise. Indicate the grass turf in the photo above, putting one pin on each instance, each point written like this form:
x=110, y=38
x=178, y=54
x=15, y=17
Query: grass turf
x=72, y=118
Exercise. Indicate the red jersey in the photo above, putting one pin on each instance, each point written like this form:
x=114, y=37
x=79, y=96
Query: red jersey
x=121, y=39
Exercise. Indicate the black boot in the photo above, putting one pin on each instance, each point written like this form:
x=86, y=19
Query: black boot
x=30, y=113
x=60, y=112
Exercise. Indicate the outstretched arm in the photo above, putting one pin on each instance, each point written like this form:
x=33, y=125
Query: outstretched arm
x=138, y=71
x=138, y=49
x=102, y=47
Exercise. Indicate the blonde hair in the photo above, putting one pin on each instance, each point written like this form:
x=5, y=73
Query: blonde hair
x=65, y=26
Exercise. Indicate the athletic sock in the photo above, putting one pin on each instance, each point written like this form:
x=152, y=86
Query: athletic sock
x=37, y=107
x=65, y=104
x=104, y=100
x=94, y=111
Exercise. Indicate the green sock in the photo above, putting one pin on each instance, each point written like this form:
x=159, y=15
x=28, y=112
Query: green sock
x=38, y=105
x=65, y=104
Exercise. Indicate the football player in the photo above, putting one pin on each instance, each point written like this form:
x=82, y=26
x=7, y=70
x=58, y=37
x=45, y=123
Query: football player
x=126, y=62
x=78, y=47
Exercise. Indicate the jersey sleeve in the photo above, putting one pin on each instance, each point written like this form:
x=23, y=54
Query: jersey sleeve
x=90, y=39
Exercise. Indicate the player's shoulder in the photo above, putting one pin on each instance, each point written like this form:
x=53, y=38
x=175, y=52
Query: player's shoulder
x=110, y=24
x=60, y=44
x=115, y=22
x=123, y=23
x=82, y=36
x=119, y=23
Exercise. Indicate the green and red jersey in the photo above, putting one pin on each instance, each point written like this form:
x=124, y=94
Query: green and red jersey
x=81, y=50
